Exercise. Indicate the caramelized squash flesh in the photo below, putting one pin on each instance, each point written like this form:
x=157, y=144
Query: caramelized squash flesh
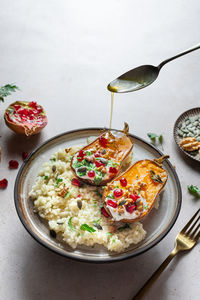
x=131, y=196
x=100, y=161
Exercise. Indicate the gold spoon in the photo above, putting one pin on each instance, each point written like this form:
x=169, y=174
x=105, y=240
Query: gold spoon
x=142, y=76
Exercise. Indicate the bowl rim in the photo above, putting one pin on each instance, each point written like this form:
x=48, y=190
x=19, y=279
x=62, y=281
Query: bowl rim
x=109, y=259
x=178, y=120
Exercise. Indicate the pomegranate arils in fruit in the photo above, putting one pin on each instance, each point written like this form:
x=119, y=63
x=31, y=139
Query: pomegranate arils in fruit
x=24, y=155
x=103, y=141
x=13, y=164
x=118, y=193
x=91, y=174
x=130, y=208
x=3, y=183
x=123, y=182
x=33, y=104
x=113, y=170
x=112, y=203
x=104, y=212
x=76, y=182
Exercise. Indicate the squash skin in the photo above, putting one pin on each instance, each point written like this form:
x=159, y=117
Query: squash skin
x=151, y=189
x=120, y=146
x=21, y=128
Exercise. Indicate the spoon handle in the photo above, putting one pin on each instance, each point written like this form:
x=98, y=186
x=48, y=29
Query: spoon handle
x=178, y=55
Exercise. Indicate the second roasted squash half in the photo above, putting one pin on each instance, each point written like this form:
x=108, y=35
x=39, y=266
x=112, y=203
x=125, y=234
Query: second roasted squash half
x=131, y=196
x=100, y=161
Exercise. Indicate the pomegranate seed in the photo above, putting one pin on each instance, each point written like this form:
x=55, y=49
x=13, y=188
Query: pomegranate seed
x=111, y=203
x=16, y=106
x=118, y=193
x=130, y=208
x=103, y=141
x=39, y=109
x=24, y=155
x=13, y=164
x=134, y=197
x=3, y=183
x=98, y=163
x=76, y=182
x=33, y=104
x=23, y=111
x=91, y=174
x=97, y=154
x=123, y=182
x=81, y=155
x=104, y=212
x=113, y=170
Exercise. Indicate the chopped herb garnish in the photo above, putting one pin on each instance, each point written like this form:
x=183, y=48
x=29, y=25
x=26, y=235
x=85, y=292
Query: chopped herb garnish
x=45, y=177
x=6, y=90
x=109, y=234
x=110, y=195
x=155, y=177
x=113, y=241
x=86, y=227
x=194, y=190
x=70, y=224
x=88, y=153
x=67, y=195
x=52, y=159
x=97, y=221
x=97, y=179
x=58, y=181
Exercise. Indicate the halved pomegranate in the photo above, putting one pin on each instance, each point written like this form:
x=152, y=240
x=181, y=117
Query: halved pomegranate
x=25, y=117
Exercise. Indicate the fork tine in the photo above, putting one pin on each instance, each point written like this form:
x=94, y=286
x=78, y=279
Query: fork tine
x=197, y=237
x=193, y=233
x=193, y=225
x=190, y=222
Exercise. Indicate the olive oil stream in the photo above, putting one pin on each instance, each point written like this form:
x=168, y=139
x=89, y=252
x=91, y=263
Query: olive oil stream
x=111, y=111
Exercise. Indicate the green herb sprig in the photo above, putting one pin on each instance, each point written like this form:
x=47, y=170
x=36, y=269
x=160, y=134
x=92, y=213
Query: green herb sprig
x=6, y=90
x=86, y=227
x=155, y=138
x=70, y=224
x=194, y=190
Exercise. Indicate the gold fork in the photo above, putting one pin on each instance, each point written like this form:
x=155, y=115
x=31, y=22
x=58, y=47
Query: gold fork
x=185, y=240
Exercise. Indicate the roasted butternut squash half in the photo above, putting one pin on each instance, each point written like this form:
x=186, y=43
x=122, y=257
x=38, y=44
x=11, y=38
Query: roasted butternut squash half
x=100, y=161
x=131, y=196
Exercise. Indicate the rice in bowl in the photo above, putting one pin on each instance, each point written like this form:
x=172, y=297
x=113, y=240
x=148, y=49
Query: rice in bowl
x=74, y=212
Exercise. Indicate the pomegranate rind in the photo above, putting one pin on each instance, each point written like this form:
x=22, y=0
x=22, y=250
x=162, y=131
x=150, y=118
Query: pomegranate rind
x=21, y=128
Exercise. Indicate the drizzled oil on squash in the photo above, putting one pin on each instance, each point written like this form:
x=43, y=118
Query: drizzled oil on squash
x=131, y=196
x=100, y=161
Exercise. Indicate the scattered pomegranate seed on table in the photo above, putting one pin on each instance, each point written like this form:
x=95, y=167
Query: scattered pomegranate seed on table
x=24, y=155
x=13, y=164
x=3, y=183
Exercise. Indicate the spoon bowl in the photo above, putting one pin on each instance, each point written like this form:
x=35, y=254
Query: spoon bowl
x=134, y=79
x=140, y=77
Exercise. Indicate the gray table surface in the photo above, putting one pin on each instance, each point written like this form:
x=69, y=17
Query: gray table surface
x=62, y=54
